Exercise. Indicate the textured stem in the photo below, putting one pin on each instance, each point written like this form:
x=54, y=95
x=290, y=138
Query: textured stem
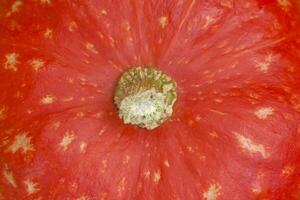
x=145, y=97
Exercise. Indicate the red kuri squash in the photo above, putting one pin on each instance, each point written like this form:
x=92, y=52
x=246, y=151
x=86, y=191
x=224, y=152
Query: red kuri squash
x=149, y=99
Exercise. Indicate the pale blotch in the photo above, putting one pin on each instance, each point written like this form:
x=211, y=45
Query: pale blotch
x=284, y=4
x=48, y=99
x=11, y=61
x=67, y=99
x=103, y=12
x=126, y=159
x=208, y=21
x=66, y=140
x=104, y=166
x=163, y=21
x=15, y=7
x=3, y=111
x=263, y=66
x=288, y=170
x=250, y=146
x=127, y=26
x=91, y=48
x=213, y=192
x=82, y=147
x=263, y=113
x=21, y=142
x=8, y=175
x=166, y=163
x=214, y=134
x=157, y=176
x=83, y=197
x=122, y=186
x=146, y=174
x=72, y=26
x=48, y=34
x=37, y=64
x=31, y=187
x=45, y=2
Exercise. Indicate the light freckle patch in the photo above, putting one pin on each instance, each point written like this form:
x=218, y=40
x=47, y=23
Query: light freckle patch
x=48, y=34
x=214, y=134
x=263, y=66
x=37, y=64
x=288, y=170
x=146, y=174
x=3, y=111
x=126, y=159
x=166, y=163
x=213, y=192
x=45, y=2
x=264, y=113
x=8, y=175
x=157, y=176
x=82, y=147
x=31, y=187
x=11, y=61
x=48, y=99
x=72, y=26
x=163, y=21
x=91, y=48
x=21, y=142
x=122, y=186
x=83, y=197
x=284, y=4
x=208, y=21
x=250, y=146
x=103, y=12
x=15, y=7
x=66, y=140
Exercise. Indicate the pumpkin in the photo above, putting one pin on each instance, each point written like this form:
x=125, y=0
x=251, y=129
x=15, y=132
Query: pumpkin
x=149, y=99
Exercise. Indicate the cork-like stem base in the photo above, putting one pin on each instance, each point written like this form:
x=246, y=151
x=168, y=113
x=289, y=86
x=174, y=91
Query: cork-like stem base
x=145, y=97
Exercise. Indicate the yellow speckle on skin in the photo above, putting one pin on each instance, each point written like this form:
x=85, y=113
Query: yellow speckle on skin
x=263, y=66
x=45, y=2
x=31, y=187
x=21, y=142
x=146, y=174
x=48, y=33
x=250, y=146
x=288, y=170
x=48, y=99
x=72, y=26
x=166, y=163
x=3, y=111
x=11, y=61
x=121, y=186
x=82, y=147
x=213, y=192
x=126, y=159
x=83, y=197
x=214, y=134
x=103, y=12
x=208, y=21
x=8, y=175
x=66, y=140
x=157, y=176
x=15, y=7
x=264, y=113
x=284, y=4
x=91, y=47
x=37, y=64
x=163, y=21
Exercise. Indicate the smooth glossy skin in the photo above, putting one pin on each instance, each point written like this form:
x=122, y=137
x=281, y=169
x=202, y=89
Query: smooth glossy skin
x=234, y=133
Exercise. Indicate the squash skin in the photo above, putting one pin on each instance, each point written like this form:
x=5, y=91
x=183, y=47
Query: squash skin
x=234, y=133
